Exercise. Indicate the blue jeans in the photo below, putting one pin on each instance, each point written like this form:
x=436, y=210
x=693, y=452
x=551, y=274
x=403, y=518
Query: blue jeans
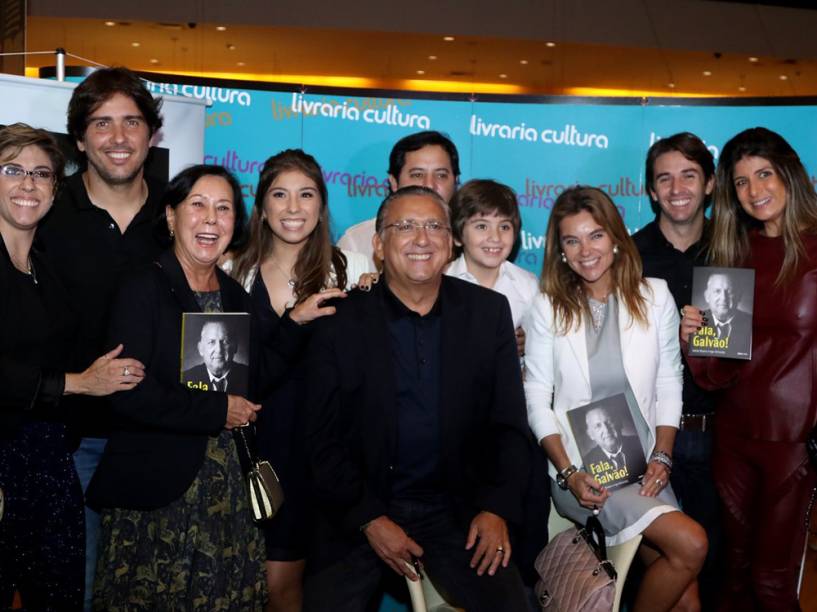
x=86, y=460
x=694, y=485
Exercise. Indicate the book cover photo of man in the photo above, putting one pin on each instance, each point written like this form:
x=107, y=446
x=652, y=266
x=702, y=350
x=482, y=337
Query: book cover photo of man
x=209, y=357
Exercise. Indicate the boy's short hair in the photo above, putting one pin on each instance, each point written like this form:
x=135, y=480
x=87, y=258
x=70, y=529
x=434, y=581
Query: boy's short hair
x=483, y=197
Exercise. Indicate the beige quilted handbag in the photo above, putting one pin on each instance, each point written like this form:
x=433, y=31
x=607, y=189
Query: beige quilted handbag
x=575, y=575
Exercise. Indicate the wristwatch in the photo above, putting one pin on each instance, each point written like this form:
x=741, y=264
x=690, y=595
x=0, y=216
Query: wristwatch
x=563, y=475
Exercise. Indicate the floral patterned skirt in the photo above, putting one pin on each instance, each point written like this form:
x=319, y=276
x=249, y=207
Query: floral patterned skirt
x=201, y=552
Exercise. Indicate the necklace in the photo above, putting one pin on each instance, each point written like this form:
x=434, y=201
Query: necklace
x=598, y=310
x=26, y=269
x=289, y=279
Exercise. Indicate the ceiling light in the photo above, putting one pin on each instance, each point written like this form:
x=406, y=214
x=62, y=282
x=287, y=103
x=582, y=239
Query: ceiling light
x=240, y=64
x=754, y=59
x=135, y=44
x=221, y=28
x=783, y=77
x=231, y=47
x=154, y=61
x=741, y=88
x=421, y=72
x=671, y=85
x=707, y=73
x=448, y=38
x=110, y=23
x=550, y=44
x=432, y=57
x=523, y=62
x=503, y=76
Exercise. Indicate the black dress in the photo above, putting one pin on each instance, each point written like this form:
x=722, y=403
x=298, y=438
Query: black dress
x=42, y=539
x=279, y=434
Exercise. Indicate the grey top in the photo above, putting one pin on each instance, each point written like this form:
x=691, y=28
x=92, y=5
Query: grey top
x=606, y=367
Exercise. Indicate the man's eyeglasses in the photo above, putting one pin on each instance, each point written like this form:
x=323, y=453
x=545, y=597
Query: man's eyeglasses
x=410, y=226
x=38, y=175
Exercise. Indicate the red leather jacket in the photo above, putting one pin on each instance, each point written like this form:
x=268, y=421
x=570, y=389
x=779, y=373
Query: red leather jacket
x=774, y=396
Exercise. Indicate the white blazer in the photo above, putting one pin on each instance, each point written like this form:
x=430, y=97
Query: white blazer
x=557, y=372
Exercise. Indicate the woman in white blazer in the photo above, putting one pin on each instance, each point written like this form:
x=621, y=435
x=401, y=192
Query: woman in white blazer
x=599, y=330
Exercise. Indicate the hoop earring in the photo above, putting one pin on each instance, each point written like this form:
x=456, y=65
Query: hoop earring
x=564, y=258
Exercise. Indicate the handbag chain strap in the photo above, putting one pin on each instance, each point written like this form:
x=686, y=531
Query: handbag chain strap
x=241, y=434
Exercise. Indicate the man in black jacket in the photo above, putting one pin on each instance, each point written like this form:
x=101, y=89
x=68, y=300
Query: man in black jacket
x=416, y=427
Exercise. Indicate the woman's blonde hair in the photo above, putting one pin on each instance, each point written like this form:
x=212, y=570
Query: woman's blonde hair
x=564, y=286
x=729, y=243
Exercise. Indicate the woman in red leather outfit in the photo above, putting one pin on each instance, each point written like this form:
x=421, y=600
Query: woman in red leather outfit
x=765, y=217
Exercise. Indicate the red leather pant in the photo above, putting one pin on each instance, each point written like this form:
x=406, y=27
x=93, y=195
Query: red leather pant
x=766, y=488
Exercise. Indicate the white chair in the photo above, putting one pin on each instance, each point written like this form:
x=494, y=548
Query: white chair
x=426, y=598
x=621, y=555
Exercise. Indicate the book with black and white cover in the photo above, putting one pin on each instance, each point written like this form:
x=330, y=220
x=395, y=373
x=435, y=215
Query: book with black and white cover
x=608, y=441
x=726, y=297
x=215, y=350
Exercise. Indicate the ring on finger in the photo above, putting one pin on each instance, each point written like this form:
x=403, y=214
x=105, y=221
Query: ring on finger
x=683, y=314
x=125, y=371
x=659, y=482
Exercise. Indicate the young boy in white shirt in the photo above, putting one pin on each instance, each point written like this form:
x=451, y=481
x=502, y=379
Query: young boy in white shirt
x=485, y=224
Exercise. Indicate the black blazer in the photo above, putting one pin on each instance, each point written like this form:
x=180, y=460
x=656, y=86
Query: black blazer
x=38, y=335
x=161, y=428
x=351, y=420
x=629, y=444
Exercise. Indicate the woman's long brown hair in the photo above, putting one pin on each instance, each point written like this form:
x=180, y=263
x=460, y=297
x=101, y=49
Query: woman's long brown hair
x=317, y=258
x=729, y=243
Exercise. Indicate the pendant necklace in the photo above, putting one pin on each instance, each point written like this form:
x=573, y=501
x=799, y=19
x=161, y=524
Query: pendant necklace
x=289, y=279
x=27, y=269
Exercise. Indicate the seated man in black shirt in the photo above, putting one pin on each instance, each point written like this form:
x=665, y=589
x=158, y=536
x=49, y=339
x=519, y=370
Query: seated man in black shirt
x=416, y=431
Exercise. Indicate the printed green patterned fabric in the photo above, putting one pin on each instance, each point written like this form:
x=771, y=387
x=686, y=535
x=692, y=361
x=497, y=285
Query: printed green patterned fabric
x=202, y=552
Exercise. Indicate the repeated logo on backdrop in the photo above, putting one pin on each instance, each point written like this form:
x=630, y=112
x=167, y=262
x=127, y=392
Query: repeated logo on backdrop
x=539, y=149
